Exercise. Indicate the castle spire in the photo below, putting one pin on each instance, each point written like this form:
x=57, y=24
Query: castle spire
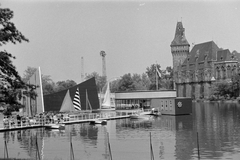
x=179, y=38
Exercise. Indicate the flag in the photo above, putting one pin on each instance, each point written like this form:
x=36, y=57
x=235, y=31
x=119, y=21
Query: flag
x=158, y=72
x=76, y=101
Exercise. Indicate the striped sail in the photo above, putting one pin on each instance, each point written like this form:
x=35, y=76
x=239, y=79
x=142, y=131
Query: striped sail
x=76, y=101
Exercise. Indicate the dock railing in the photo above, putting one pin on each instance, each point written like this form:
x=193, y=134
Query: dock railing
x=41, y=121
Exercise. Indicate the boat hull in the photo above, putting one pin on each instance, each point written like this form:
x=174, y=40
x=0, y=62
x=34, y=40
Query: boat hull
x=138, y=116
x=102, y=122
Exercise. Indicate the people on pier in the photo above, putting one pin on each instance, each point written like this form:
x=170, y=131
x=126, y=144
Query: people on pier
x=5, y=122
x=18, y=120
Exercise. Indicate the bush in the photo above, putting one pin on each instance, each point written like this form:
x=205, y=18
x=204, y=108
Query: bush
x=213, y=98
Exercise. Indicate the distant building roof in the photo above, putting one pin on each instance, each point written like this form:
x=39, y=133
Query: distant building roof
x=236, y=55
x=201, y=51
x=179, y=38
x=224, y=55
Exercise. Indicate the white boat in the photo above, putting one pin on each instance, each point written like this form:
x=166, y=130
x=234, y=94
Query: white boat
x=99, y=121
x=107, y=105
x=54, y=126
x=139, y=116
x=155, y=112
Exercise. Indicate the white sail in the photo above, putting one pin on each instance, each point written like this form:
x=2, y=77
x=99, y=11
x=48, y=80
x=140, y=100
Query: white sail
x=67, y=105
x=107, y=100
x=76, y=101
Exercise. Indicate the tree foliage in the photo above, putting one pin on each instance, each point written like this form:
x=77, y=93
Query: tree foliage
x=11, y=83
x=62, y=85
x=28, y=73
x=126, y=83
x=222, y=89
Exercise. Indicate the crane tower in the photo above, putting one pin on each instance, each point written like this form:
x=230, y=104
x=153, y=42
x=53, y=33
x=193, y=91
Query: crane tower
x=103, y=54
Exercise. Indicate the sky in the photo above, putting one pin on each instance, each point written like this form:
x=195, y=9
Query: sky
x=133, y=34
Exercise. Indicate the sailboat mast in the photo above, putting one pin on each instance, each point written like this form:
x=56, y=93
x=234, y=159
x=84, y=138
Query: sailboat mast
x=86, y=99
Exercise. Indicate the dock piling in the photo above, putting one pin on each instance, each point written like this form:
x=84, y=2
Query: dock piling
x=109, y=147
x=198, y=147
x=37, y=150
x=5, y=150
x=71, y=148
x=151, y=149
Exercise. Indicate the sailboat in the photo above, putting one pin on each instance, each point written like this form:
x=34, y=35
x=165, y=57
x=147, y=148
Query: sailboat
x=106, y=105
x=67, y=104
x=67, y=107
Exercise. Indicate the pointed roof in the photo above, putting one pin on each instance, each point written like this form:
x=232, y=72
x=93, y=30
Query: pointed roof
x=179, y=38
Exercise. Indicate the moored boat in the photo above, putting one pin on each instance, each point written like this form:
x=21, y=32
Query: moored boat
x=99, y=121
x=139, y=116
x=54, y=126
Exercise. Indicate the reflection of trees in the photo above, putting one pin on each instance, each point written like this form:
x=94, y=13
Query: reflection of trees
x=27, y=139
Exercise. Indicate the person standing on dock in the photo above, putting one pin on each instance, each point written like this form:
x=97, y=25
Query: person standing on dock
x=18, y=120
x=12, y=123
x=5, y=122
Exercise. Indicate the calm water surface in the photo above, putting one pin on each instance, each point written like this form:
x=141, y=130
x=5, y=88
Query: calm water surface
x=173, y=137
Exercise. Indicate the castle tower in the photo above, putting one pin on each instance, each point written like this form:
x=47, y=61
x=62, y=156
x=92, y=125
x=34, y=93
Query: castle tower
x=179, y=49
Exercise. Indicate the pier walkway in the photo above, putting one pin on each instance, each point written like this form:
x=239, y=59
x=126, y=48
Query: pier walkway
x=71, y=119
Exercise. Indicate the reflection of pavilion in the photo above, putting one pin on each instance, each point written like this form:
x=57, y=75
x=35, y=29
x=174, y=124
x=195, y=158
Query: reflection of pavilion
x=174, y=134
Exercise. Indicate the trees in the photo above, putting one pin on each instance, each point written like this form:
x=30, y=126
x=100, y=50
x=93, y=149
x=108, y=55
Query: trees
x=164, y=82
x=126, y=83
x=62, y=85
x=28, y=73
x=11, y=83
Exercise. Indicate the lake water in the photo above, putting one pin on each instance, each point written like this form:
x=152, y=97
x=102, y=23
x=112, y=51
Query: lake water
x=172, y=137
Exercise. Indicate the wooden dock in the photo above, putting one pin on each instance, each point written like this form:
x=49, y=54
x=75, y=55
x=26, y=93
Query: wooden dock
x=81, y=118
x=90, y=120
x=20, y=128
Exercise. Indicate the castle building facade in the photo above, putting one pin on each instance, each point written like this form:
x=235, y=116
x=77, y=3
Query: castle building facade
x=195, y=71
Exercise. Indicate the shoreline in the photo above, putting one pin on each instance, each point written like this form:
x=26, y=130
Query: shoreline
x=218, y=101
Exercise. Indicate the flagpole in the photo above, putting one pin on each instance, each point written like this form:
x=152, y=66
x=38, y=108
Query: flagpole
x=156, y=78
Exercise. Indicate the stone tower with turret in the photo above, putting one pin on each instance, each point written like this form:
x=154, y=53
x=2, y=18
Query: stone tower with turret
x=179, y=49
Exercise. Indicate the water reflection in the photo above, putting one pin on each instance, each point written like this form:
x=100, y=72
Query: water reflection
x=173, y=137
x=27, y=142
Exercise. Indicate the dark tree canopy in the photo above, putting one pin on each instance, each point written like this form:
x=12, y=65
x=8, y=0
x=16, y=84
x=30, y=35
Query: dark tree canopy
x=11, y=82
